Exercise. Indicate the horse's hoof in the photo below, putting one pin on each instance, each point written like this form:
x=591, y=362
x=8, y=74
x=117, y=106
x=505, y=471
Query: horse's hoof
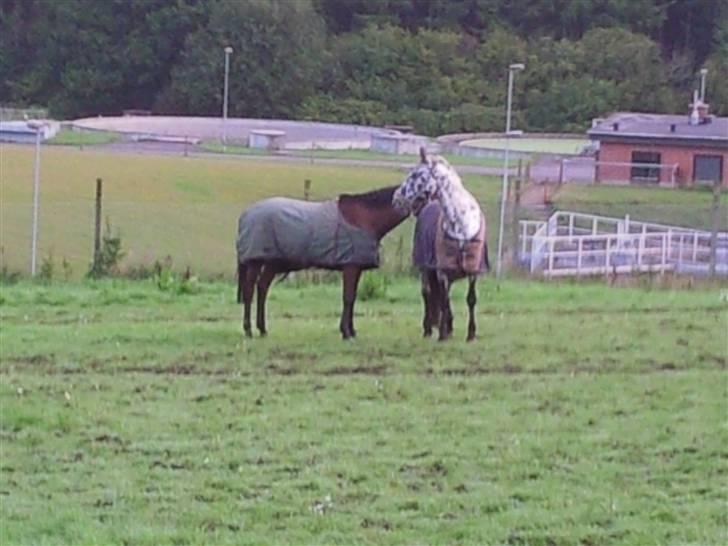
x=427, y=333
x=263, y=333
x=248, y=333
x=470, y=338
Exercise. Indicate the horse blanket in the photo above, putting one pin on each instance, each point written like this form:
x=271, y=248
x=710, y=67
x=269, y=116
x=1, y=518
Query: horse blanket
x=304, y=234
x=434, y=249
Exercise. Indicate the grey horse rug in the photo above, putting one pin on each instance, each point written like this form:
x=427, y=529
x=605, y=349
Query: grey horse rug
x=304, y=234
x=434, y=249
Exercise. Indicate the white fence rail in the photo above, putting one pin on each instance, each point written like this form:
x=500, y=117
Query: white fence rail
x=576, y=244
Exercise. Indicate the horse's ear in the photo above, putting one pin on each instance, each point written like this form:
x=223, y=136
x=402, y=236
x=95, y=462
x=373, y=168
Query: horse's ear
x=423, y=154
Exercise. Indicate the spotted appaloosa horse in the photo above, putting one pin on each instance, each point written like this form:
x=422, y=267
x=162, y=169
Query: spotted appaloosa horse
x=462, y=224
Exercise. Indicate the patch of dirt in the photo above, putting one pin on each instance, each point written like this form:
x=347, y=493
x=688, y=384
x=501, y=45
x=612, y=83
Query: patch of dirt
x=356, y=370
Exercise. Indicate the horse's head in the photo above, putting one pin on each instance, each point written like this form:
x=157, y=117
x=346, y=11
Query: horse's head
x=424, y=183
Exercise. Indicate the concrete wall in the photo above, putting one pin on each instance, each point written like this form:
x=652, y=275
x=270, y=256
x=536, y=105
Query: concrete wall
x=680, y=155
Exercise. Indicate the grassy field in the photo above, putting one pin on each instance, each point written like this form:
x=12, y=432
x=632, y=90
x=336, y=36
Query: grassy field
x=583, y=415
x=532, y=144
x=688, y=207
x=186, y=208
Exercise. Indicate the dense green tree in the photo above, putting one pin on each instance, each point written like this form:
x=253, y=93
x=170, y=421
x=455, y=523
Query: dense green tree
x=278, y=54
x=440, y=65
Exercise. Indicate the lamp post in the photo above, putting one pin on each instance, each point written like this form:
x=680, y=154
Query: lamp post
x=512, y=69
x=228, y=50
x=703, y=73
x=38, y=126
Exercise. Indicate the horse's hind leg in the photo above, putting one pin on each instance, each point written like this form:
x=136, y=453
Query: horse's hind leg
x=472, y=300
x=427, y=298
x=267, y=274
x=252, y=270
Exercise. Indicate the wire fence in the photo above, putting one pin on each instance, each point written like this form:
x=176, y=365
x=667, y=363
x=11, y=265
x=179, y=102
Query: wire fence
x=200, y=237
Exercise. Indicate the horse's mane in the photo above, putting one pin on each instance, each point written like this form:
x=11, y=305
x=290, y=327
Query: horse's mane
x=375, y=198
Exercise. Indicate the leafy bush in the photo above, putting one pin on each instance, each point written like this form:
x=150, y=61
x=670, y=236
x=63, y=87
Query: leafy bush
x=373, y=286
x=110, y=254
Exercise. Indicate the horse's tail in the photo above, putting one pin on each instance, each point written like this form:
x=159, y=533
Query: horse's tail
x=485, y=257
x=241, y=280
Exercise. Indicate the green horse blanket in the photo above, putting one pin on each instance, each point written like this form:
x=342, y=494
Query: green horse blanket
x=304, y=234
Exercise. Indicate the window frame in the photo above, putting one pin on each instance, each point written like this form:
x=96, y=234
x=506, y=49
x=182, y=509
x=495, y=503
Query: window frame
x=644, y=174
x=696, y=157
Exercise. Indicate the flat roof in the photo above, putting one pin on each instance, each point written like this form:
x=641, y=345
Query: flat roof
x=658, y=126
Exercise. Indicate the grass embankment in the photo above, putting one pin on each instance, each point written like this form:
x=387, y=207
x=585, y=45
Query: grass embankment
x=582, y=415
x=682, y=207
x=68, y=137
x=358, y=155
x=186, y=208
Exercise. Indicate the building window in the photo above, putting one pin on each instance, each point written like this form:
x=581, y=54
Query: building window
x=707, y=168
x=641, y=169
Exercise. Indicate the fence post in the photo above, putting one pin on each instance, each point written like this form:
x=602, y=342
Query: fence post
x=680, y=252
x=695, y=246
x=516, y=207
x=640, y=249
x=716, y=227
x=551, y=256
x=306, y=189
x=97, y=227
x=579, y=249
x=606, y=256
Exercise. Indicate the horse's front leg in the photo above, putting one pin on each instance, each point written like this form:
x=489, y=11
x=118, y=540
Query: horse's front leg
x=444, y=300
x=472, y=300
x=350, y=283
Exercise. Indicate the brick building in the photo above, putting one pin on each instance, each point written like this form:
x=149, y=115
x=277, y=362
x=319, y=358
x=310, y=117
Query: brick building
x=662, y=149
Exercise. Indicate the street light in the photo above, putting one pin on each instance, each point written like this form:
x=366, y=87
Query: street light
x=38, y=127
x=228, y=50
x=512, y=69
x=703, y=73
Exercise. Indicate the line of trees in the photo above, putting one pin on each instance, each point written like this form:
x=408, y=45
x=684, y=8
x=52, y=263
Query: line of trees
x=439, y=65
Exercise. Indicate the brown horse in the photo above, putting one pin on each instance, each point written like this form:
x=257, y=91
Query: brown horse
x=277, y=236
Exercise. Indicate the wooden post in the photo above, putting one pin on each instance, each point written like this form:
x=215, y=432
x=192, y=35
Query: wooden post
x=306, y=189
x=716, y=227
x=97, y=227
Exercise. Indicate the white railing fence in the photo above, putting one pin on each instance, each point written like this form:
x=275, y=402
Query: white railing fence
x=576, y=244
